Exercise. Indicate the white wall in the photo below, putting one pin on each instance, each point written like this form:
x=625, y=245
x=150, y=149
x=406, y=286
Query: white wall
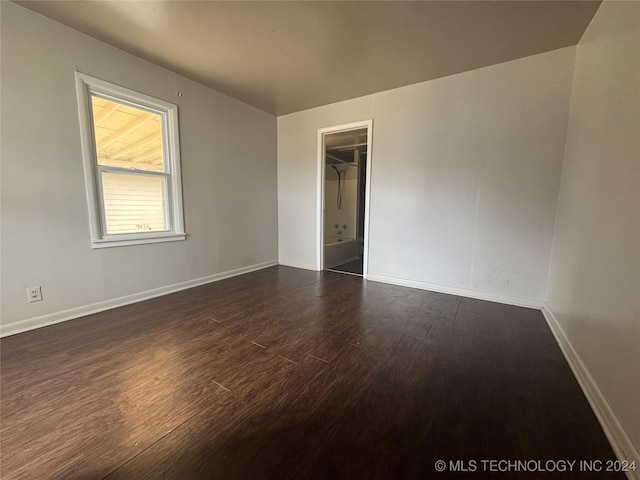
x=228, y=168
x=594, y=281
x=465, y=174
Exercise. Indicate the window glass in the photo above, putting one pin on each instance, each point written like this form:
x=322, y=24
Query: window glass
x=126, y=136
x=134, y=203
x=131, y=154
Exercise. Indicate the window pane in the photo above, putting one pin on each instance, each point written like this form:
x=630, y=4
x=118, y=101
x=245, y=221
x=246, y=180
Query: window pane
x=127, y=137
x=134, y=203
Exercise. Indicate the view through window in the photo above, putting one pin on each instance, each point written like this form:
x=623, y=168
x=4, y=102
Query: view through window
x=132, y=165
x=130, y=138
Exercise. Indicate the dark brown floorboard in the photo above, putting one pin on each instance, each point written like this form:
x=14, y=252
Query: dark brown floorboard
x=286, y=373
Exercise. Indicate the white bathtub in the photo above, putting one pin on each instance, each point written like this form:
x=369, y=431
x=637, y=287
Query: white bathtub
x=339, y=250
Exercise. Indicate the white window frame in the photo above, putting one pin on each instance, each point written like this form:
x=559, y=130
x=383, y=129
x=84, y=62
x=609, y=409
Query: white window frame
x=87, y=86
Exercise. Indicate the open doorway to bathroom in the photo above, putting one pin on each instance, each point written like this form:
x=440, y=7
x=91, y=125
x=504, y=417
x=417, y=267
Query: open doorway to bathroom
x=344, y=165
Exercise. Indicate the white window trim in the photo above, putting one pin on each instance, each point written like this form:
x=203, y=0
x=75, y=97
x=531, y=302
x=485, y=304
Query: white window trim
x=85, y=86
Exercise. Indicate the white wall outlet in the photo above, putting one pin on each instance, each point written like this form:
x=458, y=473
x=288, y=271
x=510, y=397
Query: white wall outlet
x=34, y=294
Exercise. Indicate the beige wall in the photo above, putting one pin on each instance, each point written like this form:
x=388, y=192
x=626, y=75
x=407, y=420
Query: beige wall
x=594, y=281
x=465, y=174
x=228, y=168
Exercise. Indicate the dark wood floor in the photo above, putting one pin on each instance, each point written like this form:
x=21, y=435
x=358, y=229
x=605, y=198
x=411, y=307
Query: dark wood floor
x=286, y=373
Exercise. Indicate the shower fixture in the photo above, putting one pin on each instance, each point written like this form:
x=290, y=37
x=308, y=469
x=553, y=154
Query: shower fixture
x=339, y=194
x=336, y=159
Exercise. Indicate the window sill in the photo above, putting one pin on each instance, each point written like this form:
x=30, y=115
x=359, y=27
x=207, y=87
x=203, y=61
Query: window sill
x=123, y=242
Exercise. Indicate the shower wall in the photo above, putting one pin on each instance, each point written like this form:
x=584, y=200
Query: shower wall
x=347, y=214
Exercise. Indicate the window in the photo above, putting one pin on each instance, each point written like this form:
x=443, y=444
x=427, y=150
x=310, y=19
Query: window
x=132, y=165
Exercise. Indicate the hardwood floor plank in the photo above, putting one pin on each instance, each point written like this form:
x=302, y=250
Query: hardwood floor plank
x=287, y=373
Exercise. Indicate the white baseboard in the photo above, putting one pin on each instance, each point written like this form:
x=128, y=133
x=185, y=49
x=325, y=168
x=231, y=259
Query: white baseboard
x=463, y=292
x=70, y=314
x=304, y=266
x=342, y=262
x=620, y=441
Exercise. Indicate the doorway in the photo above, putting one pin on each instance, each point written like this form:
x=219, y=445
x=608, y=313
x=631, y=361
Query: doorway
x=344, y=166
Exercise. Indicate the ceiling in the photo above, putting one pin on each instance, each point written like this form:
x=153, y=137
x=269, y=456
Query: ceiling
x=284, y=57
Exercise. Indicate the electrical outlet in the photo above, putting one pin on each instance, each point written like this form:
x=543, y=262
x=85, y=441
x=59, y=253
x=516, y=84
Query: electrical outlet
x=34, y=294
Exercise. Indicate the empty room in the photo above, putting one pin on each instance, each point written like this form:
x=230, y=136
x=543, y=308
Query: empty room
x=320, y=240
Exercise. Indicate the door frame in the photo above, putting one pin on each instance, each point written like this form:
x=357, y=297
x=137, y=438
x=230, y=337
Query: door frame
x=368, y=124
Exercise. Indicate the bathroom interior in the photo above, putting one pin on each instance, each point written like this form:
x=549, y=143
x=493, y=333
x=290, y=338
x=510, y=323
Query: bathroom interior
x=344, y=207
